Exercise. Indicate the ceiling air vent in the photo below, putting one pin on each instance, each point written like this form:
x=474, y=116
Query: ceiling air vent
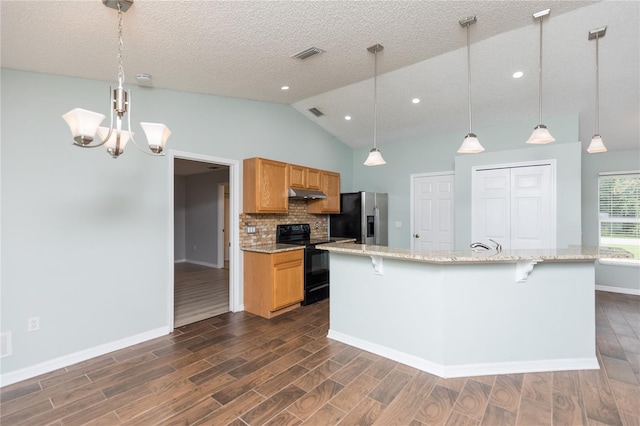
x=307, y=53
x=315, y=111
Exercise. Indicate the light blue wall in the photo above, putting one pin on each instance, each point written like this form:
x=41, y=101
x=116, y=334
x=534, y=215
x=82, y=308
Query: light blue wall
x=607, y=275
x=437, y=154
x=85, y=237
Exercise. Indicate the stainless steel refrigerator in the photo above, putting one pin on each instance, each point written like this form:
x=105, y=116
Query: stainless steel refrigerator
x=363, y=216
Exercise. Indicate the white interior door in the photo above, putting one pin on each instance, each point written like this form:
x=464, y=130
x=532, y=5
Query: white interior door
x=531, y=215
x=514, y=207
x=433, y=212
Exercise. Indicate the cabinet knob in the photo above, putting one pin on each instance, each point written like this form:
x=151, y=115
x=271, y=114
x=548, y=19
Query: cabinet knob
x=416, y=236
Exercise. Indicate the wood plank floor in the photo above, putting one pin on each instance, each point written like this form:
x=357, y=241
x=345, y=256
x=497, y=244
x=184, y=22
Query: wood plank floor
x=240, y=369
x=200, y=292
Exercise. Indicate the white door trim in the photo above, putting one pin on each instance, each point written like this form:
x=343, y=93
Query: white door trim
x=554, y=201
x=221, y=229
x=235, y=286
x=412, y=179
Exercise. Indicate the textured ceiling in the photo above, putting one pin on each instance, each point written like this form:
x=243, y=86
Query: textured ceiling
x=242, y=49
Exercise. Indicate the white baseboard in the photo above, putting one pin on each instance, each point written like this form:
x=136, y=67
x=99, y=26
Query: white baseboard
x=623, y=290
x=197, y=262
x=179, y=260
x=467, y=370
x=64, y=361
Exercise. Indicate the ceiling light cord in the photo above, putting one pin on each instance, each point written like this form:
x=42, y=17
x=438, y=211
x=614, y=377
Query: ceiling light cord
x=120, y=48
x=469, y=75
x=375, y=97
x=540, y=76
x=597, y=127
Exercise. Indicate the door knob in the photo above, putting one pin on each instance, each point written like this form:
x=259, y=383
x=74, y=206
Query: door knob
x=417, y=236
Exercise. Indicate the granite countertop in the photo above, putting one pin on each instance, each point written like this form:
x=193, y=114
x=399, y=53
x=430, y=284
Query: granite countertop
x=339, y=240
x=570, y=254
x=272, y=248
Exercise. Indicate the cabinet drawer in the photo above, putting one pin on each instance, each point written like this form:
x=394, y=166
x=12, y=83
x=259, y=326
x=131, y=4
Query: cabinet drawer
x=288, y=256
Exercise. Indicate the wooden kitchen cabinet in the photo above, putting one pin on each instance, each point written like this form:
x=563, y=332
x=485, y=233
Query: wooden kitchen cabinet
x=265, y=186
x=303, y=177
x=273, y=282
x=330, y=185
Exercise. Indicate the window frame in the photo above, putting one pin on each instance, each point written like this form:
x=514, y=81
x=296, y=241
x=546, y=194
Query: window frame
x=610, y=260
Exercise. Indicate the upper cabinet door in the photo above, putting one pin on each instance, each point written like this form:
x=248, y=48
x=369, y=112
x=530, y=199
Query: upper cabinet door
x=265, y=186
x=330, y=185
x=297, y=176
x=313, y=179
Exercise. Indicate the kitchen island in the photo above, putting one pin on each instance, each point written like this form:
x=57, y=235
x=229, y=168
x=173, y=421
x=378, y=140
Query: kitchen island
x=465, y=313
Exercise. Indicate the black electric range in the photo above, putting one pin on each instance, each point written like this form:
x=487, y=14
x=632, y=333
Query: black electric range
x=316, y=261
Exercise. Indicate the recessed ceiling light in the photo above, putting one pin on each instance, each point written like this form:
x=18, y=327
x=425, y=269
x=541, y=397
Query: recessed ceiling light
x=415, y=100
x=347, y=117
x=284, y=88
x=518, y=74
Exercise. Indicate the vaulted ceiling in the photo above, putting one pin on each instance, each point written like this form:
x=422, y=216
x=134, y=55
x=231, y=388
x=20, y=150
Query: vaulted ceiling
x=242, y=49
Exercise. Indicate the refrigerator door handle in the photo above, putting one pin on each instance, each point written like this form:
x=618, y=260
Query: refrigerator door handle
x=376, y=225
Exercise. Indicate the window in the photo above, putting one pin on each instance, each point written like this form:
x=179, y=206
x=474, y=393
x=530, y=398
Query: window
x=619, y=216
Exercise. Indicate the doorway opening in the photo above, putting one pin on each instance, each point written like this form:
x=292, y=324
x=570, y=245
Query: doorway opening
x=204, y=274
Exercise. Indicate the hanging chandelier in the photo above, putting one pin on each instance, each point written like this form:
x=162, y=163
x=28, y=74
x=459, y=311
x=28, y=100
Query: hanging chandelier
x=375, y=157
x=84, y=124
x=596, y=144
x=540, y=133
x=470, y=144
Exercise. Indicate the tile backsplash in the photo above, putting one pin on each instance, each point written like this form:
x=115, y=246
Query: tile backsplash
x=266, y=224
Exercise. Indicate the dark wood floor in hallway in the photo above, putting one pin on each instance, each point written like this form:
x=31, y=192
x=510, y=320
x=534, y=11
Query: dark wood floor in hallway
x=241, y=369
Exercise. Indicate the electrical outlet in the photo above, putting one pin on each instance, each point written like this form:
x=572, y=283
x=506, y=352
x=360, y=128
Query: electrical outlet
x=33, y=324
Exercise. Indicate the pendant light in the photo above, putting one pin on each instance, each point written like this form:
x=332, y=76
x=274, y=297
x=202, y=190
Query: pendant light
x=375, y=157
x=470, y=144
x=596, y=144
x=540, y=133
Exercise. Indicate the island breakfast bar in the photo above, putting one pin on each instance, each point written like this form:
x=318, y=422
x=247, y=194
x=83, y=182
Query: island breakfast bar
x=457, y=314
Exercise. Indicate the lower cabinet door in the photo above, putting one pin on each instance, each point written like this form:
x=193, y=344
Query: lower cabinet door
x=288, y=279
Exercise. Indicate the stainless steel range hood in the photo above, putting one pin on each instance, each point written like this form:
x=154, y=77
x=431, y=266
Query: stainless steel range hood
x=308, y=194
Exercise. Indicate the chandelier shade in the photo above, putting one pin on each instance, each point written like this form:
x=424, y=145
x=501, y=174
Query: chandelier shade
x=157, y=135
x=84, y=124
x=540, y=134
x=470, y=144
x=114, y=146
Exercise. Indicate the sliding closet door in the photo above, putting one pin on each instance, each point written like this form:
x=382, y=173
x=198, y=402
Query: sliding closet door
x=514, y=207
x=491, y=206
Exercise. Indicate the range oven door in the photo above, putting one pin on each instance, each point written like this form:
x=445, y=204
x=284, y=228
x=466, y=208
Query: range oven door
x=316, y=277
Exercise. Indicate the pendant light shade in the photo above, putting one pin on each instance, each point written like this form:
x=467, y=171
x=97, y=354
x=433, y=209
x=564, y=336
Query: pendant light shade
x=375, y=157
x=470, y=144
x=596, y=144
x=541, y=134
